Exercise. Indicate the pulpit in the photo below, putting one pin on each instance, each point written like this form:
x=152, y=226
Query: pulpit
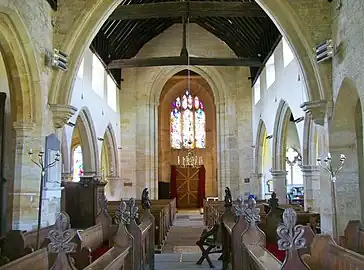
x=81, y=200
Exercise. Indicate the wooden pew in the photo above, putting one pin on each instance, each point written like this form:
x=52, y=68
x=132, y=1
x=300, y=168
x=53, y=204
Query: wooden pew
x=256, y=256
x=38, y=260
x=162, y=210
x=18, y=243
x=120, y=256
x=353, y=238
x=60, y=244
x=143, y=234
x=326, y=254
x=94, y=241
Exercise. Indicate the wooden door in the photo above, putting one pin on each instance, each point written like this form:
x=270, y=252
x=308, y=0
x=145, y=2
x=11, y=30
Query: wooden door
x=187, y=182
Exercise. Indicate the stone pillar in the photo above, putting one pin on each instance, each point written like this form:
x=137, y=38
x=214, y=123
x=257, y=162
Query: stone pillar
x=113, y=188
x=311, y=184
x=259, y=179
x=280, y=185
x=24, y=191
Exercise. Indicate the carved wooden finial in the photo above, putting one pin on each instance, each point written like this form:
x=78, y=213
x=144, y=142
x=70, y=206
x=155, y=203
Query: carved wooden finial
x=61, y=244
x=273, y=201
x=239, y=206
x=252, y=212
x=126, y=212
x=102, y=203
x=291, y=240
x=228, y=198
x=145, y=199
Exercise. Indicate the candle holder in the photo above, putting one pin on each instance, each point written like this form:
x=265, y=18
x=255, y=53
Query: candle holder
x=43, y=167
x=326, y=164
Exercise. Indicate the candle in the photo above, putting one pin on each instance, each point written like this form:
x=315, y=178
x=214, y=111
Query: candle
x=178, y=161
x=328, y=156
x=30, y=151
x=41, y=150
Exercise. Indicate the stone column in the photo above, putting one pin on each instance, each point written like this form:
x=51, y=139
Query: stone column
x=311, y=184
x=113, y=188
x=280, y=185
x=24, y=191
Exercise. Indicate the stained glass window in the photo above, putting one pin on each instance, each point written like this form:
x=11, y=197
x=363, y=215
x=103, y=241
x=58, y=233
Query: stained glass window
x=187, y=122
x=77, y=163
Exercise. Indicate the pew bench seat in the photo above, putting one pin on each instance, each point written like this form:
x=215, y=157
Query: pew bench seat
x=115, y=258
x=261, y=258
x=37, y=260
x=90, y=246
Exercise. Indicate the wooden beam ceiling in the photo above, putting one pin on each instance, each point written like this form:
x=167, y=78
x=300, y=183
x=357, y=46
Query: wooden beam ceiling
x=191, y=9
x=183, y=60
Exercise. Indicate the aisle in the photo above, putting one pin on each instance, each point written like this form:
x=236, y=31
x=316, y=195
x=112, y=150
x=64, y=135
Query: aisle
x=180, y=250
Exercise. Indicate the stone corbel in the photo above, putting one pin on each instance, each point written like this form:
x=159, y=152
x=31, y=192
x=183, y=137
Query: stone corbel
x=61, y=114
x=317, y=110
x=23, y=129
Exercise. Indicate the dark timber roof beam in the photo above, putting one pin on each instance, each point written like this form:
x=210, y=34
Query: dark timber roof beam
x=183, y=60
x=191, y=9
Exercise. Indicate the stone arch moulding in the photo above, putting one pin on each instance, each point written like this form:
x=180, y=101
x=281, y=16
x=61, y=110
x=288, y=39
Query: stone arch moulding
x=22, y=68
x=209, y=74
x=309, y=154
x=279, y=133
x=109, y=137
x=65, y=152
x=259, y=146
x=91, y=19
x=88, y=143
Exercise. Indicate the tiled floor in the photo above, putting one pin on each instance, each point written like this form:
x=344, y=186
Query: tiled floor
x=180, y=250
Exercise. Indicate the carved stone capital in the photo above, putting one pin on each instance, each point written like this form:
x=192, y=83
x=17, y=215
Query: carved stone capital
x=316, y=109
x=61, y=114
x=310, y=169
x=278, y=174
x=23, y=128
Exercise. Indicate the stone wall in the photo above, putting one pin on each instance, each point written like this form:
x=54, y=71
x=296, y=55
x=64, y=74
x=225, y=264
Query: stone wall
x=139, y=111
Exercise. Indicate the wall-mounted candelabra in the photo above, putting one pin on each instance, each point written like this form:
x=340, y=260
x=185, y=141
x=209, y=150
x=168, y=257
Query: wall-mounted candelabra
x=327, y=165
x=40, y=163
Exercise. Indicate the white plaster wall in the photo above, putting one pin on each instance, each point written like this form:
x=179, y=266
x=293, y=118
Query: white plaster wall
x=101, y=113
x=288, y=86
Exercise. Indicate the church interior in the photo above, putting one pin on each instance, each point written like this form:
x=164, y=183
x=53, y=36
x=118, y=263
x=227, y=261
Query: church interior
x=192, y=134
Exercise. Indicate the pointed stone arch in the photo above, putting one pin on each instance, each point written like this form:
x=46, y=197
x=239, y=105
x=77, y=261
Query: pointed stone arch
x=22, y=68
x=259, y=144
x=279, y=133
x=281, y=12
x=88, y=142
x=111, y=152
x=346, y=137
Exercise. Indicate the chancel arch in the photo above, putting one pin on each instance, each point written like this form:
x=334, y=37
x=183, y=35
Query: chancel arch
x=346, y=137
x=84, y=146
x=178, y=98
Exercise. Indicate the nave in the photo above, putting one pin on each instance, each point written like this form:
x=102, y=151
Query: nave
x=180, y=250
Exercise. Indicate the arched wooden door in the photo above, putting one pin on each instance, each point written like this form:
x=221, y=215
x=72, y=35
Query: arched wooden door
x=187, y=182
